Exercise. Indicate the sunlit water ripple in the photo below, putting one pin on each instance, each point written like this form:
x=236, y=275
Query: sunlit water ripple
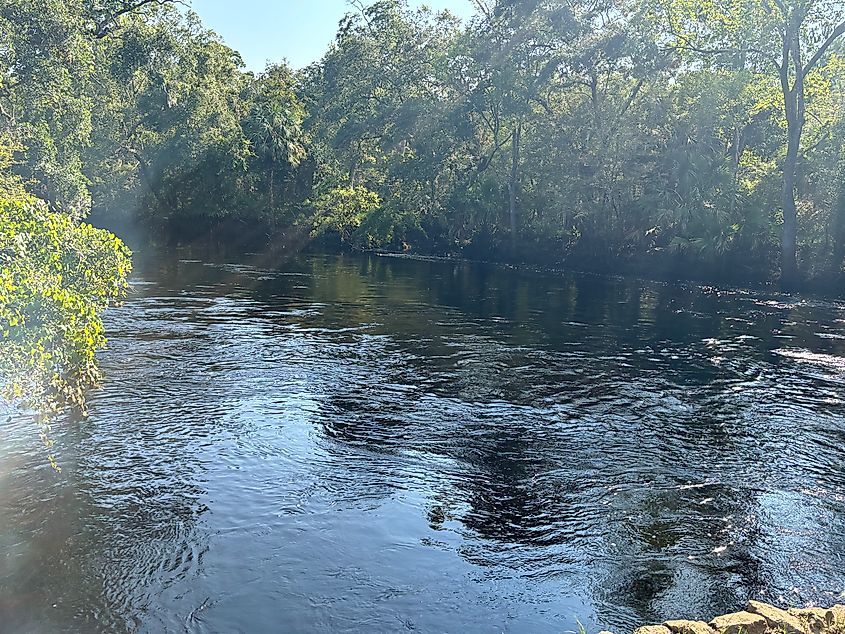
x=378, y=444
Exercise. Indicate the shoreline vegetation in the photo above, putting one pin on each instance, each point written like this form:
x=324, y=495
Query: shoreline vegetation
x=668, y=139
x=51, y=302
x=664, y=140
x=759, y=618
x=57, y=276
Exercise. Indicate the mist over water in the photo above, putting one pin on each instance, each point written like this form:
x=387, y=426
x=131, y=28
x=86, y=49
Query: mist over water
x=367, y=443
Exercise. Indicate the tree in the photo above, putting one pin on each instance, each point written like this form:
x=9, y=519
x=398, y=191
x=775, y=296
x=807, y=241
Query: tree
x=518, y=50
x=788, y=37
x=56, y=277
x=46, y=65
x=274, y=126
x=170, y=128
x=107, y=16
x=807, y=30
x=377, y=115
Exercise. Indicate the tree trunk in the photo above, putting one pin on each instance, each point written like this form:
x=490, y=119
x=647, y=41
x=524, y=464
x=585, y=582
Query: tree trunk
x=513, y=184
x=789, y=261
x=794, y=108
x=148, y=178
x=735, y=156
x=272, y=184
x=838, y=223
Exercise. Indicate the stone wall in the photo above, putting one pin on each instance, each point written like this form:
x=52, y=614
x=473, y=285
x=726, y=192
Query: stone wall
x=760, y=618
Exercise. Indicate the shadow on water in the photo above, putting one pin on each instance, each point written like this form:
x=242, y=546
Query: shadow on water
x=334, y=443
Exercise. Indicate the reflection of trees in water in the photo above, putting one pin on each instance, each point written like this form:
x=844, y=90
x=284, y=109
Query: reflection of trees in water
x=511, y=491
x=519, y=490
x=532, y=499
x=561, y=416
x=605, y=357
x=661, y=548
x=356, y=420
x=521, y=482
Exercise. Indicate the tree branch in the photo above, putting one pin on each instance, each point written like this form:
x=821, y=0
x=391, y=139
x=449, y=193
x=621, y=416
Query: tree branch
x=633, y=95
x=482, y=8
x=685, y=45
x=782, y=7
x=108, y=24
x=6, y=114
x=837, y=32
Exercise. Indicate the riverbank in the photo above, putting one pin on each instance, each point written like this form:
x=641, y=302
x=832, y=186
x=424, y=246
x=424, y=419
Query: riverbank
x=239, y=236
x=759, y=618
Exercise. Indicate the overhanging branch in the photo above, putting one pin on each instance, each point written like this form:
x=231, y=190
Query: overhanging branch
x=837, y=32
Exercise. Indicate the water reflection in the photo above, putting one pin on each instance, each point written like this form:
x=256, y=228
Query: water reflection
x=339, y=444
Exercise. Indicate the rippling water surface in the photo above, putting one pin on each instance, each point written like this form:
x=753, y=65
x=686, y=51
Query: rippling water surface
x=374, y=444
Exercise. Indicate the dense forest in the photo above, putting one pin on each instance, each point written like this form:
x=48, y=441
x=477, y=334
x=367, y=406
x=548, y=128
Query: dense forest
x=668, y=137
x=698, y=137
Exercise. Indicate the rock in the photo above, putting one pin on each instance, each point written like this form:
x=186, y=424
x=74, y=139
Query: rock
x=759, y=618
x=739, y=623
x=817, y=620
x=653, y=629
x=689, y=627
x=779, y=620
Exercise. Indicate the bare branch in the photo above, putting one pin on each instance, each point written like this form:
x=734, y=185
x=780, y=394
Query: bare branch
x=685, y=45
x=109, y=23
x=837, y=32
x=632, y=96
x=482, y=7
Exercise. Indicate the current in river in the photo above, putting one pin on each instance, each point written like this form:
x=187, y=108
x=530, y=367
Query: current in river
x=332, y=443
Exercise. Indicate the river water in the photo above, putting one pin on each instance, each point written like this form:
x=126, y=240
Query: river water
x=377, y=444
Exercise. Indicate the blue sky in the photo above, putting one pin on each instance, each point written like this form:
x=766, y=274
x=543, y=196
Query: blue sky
x=296, y=30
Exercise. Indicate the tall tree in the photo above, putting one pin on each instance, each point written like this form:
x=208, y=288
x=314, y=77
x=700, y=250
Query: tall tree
x=787, y=37
x=274, y=127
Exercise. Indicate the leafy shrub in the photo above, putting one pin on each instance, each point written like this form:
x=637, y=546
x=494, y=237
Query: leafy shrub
x=343, y=210
x=56, y=277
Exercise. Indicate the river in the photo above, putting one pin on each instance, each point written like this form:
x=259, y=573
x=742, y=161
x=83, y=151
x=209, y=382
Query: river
x=382, y=444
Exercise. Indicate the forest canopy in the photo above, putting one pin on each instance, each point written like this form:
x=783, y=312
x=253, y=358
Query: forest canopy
x=666, y=137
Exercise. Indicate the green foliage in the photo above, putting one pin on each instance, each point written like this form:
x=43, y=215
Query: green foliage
x=273, y=126
x=56, y=277
x=168, y=140
x=613, y=142
x=344, y=209
x=11, y=186
x=604, y=134
x=47, y=95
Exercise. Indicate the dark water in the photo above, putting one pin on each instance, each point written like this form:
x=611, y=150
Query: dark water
x=378, y=445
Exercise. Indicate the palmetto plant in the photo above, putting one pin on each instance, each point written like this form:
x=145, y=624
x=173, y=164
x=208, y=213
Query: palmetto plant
x=276, y=135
